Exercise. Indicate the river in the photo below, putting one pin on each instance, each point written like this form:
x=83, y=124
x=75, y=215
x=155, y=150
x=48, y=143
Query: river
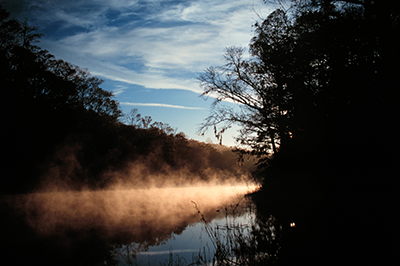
x=122, y=227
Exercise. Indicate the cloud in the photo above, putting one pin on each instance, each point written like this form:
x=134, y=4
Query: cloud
x=161, y=105
x=150, y=80
x=119, y=89
x=164, y=46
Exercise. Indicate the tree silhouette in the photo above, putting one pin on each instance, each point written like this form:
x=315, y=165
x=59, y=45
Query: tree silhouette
x=260, y=113
x=329, y=67
x=36, y=76
x=313, y=65
x=43, y=101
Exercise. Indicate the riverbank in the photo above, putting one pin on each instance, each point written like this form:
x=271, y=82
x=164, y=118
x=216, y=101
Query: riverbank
x=345, y=220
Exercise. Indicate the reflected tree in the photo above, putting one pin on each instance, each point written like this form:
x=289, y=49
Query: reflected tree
x=319, y=84
x=255, y=243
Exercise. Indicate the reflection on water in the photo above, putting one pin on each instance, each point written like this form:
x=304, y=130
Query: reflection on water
x=79, y=223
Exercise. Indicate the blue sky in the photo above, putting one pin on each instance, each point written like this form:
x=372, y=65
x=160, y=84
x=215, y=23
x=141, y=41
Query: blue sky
x=148, y=52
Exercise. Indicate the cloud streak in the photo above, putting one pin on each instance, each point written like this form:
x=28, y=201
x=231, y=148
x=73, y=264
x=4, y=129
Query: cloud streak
x=162, y=41
x=161, y=105
x=150, y=44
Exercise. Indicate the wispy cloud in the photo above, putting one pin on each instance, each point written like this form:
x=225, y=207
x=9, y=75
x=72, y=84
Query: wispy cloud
x=166, y=47
x=161, y=105
x=119, y=89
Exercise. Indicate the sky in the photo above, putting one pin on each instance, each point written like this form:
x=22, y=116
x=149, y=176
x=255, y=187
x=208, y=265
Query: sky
x=148, y=52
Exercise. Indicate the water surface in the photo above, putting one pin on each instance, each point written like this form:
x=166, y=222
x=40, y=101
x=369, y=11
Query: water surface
x=140, y=225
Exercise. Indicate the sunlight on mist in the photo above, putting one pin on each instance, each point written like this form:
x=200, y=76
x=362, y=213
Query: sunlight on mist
x=139, y=215
x=132, y=203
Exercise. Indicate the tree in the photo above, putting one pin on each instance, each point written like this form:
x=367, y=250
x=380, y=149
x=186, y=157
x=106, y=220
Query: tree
x=135, y=119
x=262, y=98
x=313, y=66
x=334, y=63
x=45, y=102
x=33, y=74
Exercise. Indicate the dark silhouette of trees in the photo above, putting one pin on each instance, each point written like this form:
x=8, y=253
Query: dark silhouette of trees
x=259, y=113
x=172, y=157
x=43, y=101
x=312, y=65
x=317, y=95
x=135, y=119
x=36, y=76
x=60, y=128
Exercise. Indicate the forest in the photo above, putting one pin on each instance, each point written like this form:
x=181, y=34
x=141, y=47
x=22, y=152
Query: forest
x=317, y=107
x=58, y=123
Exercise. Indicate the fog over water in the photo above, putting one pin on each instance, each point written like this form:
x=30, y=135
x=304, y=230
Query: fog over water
x=72, y=216
x=145, y=216
x=136, y=203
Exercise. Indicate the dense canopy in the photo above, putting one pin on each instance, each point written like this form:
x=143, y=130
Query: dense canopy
x=314, y=67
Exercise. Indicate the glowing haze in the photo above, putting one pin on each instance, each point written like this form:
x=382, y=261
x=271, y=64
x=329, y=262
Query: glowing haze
x=137, y=205
x=144, y=216
x=149, y=53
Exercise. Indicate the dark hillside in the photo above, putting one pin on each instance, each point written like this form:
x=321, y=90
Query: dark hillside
x=60, y=127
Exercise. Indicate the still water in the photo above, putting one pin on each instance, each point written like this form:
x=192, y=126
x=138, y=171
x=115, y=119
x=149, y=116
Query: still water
x=124, y=227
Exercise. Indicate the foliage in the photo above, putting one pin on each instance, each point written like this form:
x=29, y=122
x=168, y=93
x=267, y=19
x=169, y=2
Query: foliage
x=59, y=123
x=316, y=97
x=313, y=65
x=30, y=73
x=135, y=119
x=45, y=101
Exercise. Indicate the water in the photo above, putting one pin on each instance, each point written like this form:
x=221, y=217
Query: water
x=124, y=227
x=194, y=241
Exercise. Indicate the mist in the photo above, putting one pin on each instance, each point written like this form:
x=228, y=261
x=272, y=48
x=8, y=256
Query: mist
x=187, y=163
x=144, y=200
x=134, y=202
x=146, y=216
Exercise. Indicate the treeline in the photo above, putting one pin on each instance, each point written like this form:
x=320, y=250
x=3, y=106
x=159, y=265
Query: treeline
x=57, y=122
x=317, y=94
x=318, y=73
x=129, y=157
